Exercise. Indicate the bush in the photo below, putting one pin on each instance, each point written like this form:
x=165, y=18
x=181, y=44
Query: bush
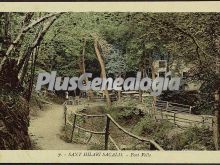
x=125, y=114
x=158, y=131
x=194, y=138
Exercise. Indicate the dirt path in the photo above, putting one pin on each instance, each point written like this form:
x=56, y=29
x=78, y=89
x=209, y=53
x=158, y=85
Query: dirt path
x=45, y=130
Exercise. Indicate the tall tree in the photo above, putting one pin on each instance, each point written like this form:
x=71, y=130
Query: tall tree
x=102, y=65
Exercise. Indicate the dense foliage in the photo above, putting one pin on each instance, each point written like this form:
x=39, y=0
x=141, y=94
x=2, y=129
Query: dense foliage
x=109, y=44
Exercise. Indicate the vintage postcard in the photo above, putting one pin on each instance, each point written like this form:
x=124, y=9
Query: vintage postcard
x=110, y=82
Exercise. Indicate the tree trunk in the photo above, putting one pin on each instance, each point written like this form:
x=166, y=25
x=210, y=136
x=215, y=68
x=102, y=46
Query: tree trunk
x=82, y=58
x=25, y=28
x=20, y=37
x=36, y=43
x=24, y=70
x=153, y=77
x=216, y=48
x=144, y=73
x=33, y=66
x=216, y=130
x=82, y=61
x=5, y=33
x=140, y=91
x=119, y=92
x=102, y=65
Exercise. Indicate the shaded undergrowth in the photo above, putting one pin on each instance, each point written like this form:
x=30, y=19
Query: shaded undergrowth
x=165, y=133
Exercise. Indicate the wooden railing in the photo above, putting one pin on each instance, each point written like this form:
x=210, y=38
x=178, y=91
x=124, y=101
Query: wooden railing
x=113, y=98
x=175, y=109
x=172, y=107
x=177, y=120
x=106, y=131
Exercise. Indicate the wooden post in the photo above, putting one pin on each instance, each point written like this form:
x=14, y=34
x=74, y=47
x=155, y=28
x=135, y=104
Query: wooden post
x=155, y=118
x=119, y=95
x=65, y=112
x=174, y=118
x=212, y=123
x=107, y=132
x=203, y=120
x=161, y=113
x=167, y=106
x=89, y=138
x=74, y=124
x=65, y=109
x=190, y=109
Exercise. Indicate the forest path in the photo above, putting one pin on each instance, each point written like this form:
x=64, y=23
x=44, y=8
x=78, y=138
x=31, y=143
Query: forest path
x=45, y=130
